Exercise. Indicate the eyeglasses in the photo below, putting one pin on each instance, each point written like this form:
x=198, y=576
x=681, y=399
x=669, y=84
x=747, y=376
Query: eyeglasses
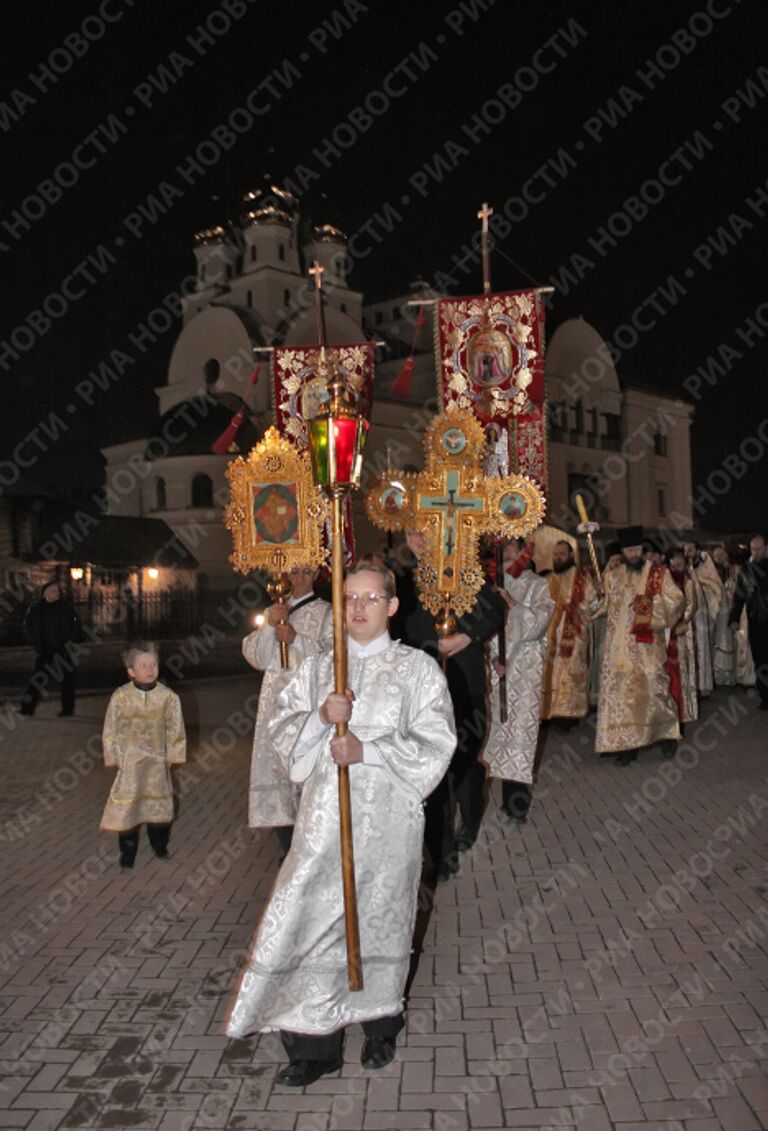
x=360, y=600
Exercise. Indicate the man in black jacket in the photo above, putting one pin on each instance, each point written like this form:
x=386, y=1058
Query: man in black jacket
x=752, y=590
x=466, y=673
x=51, y=624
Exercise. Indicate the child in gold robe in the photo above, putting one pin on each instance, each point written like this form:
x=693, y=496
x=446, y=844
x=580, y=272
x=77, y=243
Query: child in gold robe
x=143, y=737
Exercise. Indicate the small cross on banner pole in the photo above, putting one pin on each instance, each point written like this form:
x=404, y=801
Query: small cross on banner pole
x=483, y=215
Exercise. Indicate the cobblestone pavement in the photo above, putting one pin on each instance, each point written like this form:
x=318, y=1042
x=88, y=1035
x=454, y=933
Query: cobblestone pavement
x=603, y=966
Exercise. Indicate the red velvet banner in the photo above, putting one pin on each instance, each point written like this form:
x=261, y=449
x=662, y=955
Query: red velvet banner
x=297, y=392
x=490, y=351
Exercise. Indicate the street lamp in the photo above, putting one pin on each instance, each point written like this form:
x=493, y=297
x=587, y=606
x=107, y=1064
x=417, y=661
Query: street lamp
x=336, y=437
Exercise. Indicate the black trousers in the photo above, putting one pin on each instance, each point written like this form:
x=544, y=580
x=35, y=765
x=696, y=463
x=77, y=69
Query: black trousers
x=62, y=671
x=758, y=646
x=302, y=1046
x=159, y=835
x=468, y=778
x=516, y=798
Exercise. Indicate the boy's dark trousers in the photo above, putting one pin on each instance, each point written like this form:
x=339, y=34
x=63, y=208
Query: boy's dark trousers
x=159, y=836
x=303, y=1046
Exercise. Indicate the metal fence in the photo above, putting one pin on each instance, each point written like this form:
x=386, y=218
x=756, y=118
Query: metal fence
x=119, y=614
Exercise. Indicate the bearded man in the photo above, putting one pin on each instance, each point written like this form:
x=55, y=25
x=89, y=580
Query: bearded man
x=641, y=604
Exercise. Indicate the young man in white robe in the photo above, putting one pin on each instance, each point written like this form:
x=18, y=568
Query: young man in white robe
x=303, y=623
x=511, y=747
x=400, y=740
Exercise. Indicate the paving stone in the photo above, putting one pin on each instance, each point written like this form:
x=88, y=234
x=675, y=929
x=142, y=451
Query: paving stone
x=112, y=1016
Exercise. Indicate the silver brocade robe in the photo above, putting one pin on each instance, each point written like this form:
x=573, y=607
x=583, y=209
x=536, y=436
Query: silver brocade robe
x=636, y=707
x=143, y=736
x=296, y=976
x=709, y=594
x=511, y=747
x=271, y=794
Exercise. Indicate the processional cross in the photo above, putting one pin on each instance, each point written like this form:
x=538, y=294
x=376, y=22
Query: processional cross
x=453, y=503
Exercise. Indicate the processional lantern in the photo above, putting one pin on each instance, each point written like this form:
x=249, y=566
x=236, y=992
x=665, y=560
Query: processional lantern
x=336, y=436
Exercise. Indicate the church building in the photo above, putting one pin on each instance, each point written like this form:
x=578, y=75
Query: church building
x=626, y=449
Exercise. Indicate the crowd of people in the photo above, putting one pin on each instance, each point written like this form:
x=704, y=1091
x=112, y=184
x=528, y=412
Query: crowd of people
x=426, y=719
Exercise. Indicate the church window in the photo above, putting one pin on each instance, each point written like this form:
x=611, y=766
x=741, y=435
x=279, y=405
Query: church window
x=281, y=251
x=249, y=299
x=396, y=312
x=611, y=438
x=286, y=297
x=661, y=496
x=659, y=443
x=202, y=491
x=211, y=371
x=160, y=498
x=578, y=418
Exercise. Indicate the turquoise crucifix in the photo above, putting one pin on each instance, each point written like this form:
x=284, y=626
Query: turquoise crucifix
x=448, y=506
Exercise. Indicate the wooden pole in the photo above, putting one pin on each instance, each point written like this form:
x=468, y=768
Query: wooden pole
x=351, y=927
x=501, y=636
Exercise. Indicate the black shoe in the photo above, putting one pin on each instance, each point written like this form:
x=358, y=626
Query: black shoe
x=518, y=818
x=466, y=837
x=26, y=714
x=300, y=1073
x=66, y=714
x=626, y=757
x=377, y=1052
x=161, y=853
x=669, y=747
x=126, y=861
x=446, y=870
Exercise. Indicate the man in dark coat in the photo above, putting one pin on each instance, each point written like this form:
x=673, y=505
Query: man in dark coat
x=51, y=625
x=752, y=590
x=467, y=677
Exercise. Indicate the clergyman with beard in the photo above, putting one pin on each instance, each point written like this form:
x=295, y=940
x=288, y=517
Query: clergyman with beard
x=636, y=707
x=566, y=669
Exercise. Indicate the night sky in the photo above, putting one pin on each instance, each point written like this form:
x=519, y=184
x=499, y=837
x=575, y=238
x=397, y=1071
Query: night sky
x=397, y=120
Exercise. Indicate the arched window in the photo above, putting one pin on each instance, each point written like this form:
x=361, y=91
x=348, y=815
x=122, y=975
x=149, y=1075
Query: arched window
x=281, y=251
x=286, y=297
x=160, y=499
x=202, y=491
x=211, y=371
x=249, y=299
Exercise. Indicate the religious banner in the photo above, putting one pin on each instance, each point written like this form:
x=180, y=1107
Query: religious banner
x=276, y=514
x=299, y=389
x=453, y=503
x=490, y=354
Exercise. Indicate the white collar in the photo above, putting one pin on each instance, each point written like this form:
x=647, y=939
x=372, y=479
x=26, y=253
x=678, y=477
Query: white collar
x=360, y=651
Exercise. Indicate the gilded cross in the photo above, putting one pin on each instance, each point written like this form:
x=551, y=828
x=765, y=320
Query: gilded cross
x=483, y=215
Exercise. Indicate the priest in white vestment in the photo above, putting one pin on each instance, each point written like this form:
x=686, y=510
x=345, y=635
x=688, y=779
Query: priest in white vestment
x=304, y=624
x=399, y=744
x=511, y=747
